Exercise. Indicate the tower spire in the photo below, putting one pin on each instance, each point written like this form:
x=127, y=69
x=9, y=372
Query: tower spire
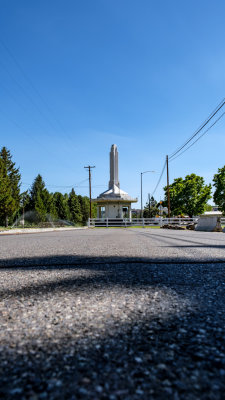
x=114, y=168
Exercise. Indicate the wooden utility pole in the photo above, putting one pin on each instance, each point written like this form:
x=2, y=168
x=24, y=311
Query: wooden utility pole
x=168, y=186
x=89, y=170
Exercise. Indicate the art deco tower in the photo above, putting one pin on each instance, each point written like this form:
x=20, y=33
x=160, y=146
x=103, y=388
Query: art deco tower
x=114, y=168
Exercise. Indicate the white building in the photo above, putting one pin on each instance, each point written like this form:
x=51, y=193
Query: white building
x=114, y=202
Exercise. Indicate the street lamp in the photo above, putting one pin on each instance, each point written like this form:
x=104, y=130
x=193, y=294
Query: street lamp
x=145, y=172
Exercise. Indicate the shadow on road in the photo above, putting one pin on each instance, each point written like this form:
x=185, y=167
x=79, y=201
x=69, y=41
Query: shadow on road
x=137, y=330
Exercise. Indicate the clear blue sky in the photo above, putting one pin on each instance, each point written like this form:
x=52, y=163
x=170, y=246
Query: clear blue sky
x=78, y=76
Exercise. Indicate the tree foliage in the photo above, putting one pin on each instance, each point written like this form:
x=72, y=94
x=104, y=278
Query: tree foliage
x=219, y=184
x=9, y=187
x=38, y=202
x=188, y=196
x=74, y=207
x=151, y=209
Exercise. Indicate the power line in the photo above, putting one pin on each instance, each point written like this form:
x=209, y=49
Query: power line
x=198, y=138
x=58, y=186
x=159, y=180
x=44, y=115
x=27, y=78
x=199, y=130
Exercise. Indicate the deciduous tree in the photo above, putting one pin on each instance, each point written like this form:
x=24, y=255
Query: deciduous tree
x=219, y=184
x=188, y=196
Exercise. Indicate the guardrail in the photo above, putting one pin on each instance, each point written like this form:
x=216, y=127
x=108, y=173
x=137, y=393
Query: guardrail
x=126, y=222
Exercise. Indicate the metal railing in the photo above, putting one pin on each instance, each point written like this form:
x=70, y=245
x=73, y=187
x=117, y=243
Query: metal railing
x=126, y=222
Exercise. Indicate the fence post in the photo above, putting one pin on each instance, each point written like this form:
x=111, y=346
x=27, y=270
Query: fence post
x=143, y=222
x=89, y=223
x=125, y=222
x=107, y=223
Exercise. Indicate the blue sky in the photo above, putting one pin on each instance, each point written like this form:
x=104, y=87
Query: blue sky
x=78, y=76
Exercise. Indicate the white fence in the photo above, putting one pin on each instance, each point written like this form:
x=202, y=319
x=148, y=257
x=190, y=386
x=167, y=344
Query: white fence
x=126, y=222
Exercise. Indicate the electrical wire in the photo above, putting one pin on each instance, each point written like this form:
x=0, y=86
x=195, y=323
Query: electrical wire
x=43, y=114
x=159, y=180
x=218, y=108
x=78, y=185
x=198, y=138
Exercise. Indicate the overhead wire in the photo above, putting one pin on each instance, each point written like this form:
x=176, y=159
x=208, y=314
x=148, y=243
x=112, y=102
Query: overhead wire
x=43, y=114
x=178, y=155
x=218, y=108
x=78, y=185
x=159, y=180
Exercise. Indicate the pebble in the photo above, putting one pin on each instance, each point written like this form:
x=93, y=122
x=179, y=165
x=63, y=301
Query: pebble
x=115, y=331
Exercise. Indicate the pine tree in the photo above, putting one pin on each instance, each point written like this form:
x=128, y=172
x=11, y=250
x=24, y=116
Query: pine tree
x=10, y=186
x=74, y=207
x=61, y=206
x=151, y=209
x=40, y=198
x=85, y=208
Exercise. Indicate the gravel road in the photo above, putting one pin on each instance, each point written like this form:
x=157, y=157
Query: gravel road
x=118, y=314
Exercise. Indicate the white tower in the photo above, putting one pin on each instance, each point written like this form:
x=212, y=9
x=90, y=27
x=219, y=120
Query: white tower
x=114, y=202
x=114, y=168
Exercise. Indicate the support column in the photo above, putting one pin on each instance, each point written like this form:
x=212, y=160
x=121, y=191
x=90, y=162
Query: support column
x=129, y=212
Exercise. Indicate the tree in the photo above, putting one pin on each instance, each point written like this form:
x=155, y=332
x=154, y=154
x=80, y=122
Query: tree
x=208, y=207
x=61, y=206
x=151, y=209
x=219, y=184
x=188, y=196
x=85, y=208
x=10, y=186
x=6, y=199
x=74, y=207
x=40, y=198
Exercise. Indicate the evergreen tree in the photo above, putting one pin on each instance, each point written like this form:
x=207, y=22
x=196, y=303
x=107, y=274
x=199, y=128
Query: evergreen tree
x=40, y=198
x=10, y=186
x=6, y=199
x=85, y=208
x=74, y=207
x=61, y=206
x=151, y=209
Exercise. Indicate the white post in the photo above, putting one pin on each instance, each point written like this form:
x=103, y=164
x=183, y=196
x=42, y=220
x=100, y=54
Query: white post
x=107, y=223
x=143, y=222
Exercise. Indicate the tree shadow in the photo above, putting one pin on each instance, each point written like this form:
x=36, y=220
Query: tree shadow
x=165, y=338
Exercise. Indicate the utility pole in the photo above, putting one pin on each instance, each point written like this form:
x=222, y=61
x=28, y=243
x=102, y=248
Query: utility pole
x=149, y=205
x=89, y=170
x=141, y=198
x=168, y=186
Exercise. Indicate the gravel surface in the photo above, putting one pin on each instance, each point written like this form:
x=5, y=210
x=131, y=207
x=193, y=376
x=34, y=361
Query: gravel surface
x=106, y=329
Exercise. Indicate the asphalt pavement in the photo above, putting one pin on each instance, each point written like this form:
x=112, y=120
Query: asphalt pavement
x=152, y=245
x=116, y=314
